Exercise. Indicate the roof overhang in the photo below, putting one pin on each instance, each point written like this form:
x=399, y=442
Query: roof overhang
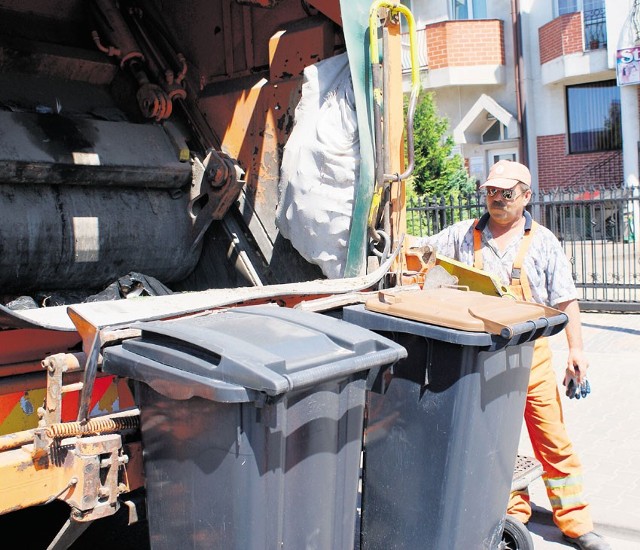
x=474, y=123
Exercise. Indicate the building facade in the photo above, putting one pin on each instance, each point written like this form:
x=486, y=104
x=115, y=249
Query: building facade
x=551, y=83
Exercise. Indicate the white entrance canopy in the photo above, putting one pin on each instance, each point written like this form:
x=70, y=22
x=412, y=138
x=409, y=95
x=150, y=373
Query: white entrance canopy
x=474, y=123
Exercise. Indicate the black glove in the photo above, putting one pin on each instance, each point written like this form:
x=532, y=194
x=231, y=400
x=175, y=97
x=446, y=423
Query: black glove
x=578, y=390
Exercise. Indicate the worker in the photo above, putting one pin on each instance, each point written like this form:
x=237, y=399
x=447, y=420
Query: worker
x=528, y=258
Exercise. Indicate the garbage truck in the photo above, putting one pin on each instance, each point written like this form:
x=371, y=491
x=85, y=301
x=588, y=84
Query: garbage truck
x=166, y=160
x=143, y=146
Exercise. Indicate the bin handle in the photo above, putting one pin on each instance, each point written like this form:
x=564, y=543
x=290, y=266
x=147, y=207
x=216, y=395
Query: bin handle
x=544, y=324
x=171, y=382
x=556, y=323
x=541, y=325
x=343, y=368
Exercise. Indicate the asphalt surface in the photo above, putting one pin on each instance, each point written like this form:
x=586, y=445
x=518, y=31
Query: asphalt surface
x=605, y=430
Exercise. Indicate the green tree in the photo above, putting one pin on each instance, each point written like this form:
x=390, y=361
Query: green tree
x=437, y=172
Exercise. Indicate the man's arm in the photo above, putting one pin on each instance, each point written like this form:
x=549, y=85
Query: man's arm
x=573, y=330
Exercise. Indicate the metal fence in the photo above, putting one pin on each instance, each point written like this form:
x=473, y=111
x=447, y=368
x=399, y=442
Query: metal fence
x=597, y=227
x=595, y=29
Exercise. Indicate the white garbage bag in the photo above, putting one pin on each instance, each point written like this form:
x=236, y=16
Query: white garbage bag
x=320, y=166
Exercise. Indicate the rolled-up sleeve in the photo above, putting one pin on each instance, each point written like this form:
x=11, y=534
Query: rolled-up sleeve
x=455, y=241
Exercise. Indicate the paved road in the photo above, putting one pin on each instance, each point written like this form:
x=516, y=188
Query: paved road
x=605, y=429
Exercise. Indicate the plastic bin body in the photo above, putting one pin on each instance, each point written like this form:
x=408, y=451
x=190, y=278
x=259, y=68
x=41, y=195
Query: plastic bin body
x=441, y=436
x=236, y=476
x=255, y=465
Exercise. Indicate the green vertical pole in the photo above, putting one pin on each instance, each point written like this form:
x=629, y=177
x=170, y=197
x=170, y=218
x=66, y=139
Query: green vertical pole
x=355, y=23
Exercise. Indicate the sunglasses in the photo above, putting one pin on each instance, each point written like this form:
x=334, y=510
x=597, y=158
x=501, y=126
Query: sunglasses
x=507, y=194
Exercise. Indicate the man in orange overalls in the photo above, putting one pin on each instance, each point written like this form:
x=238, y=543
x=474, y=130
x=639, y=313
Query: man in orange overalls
x=529, y=259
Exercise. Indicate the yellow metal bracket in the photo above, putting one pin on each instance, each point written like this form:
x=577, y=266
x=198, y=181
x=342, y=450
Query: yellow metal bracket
x=394, y=8
x=378, y=97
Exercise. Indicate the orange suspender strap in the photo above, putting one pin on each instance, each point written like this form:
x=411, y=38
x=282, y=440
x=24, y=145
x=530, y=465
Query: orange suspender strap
x=518, y=274
x=477, y=246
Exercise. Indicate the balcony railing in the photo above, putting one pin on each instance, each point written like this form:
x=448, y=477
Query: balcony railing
x=595, y=29
x=421, y=40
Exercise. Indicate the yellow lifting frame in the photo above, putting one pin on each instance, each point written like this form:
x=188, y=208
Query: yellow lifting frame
x=374, y=51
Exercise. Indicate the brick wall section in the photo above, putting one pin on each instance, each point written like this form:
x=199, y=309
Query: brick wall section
x=556, y=167
x=561, y=36
x=465, y=43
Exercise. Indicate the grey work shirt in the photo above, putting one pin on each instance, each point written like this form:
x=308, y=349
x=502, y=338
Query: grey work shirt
x=546, y=265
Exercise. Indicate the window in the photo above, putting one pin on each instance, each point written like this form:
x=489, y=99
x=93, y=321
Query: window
x=468, y=9
x=567, y=6
x=572, y=6
x=496, y=132
x=593, y=112
x=404, y=26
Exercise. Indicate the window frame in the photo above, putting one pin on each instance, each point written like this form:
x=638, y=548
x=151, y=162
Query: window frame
x=503, y=134
x=471, y=9
x=579, y=6
x=612, y=85
x=556, y=7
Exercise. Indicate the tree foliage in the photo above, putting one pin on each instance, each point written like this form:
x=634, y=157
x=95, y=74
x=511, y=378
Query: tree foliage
x=437, y=171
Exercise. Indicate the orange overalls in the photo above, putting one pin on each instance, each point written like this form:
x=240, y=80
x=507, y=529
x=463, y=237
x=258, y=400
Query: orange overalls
x=545, y=424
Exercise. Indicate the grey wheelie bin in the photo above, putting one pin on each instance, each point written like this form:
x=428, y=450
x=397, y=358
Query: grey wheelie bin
x=252, y=423
x=442, y=427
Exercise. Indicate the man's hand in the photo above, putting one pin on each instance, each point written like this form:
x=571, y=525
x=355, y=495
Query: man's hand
x=575, y=378
x=577, y=365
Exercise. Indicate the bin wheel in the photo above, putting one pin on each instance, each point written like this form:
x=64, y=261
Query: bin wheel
x=515, y=535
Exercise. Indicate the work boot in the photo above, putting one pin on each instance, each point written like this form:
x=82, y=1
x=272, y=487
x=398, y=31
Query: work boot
x=588, y=541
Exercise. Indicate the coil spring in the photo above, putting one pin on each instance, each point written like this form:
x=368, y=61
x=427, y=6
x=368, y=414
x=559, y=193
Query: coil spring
x=93, y=426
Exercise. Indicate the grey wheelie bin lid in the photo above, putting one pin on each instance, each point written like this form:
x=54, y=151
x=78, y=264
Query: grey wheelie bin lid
x=244, y=353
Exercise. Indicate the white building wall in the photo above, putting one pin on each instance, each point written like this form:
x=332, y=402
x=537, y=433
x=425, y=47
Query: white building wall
x=621, y=35
x=544, y=105
x=543, y=88
x=619, y=30
x=456, y=102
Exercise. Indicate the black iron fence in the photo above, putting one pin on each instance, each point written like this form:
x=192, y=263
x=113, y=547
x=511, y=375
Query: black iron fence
x=597, y=226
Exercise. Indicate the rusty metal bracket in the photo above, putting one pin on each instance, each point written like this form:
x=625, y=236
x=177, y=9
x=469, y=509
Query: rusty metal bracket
x=91, y=345
x=50, y=425
x=93, y=492
x=56, y=366
x=216, y=184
